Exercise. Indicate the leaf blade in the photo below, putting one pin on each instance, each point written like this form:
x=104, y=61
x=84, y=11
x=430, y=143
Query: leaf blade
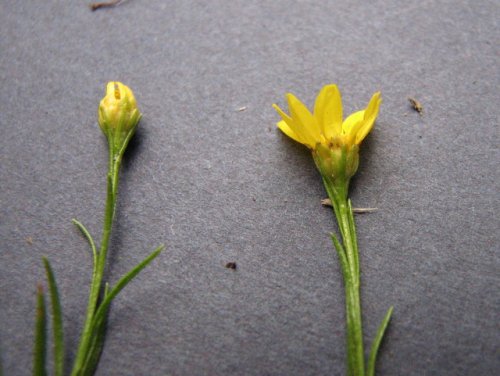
x=377, y=341
x=87, y=235
x=104, y=306
x=40, y=345
x=57, y=325
x=344, y=263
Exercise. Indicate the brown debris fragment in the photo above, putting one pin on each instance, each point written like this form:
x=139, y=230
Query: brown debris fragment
x=416, y=105
x=328, y=202
x=104, y=4
x=231, y=265
x=363, y=210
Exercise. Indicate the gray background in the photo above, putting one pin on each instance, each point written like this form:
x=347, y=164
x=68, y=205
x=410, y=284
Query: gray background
x=218, y=185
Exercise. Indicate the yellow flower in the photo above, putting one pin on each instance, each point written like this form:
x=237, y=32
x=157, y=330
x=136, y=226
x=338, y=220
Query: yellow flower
x=325, y=125
x=118, y=112
x=334, y=142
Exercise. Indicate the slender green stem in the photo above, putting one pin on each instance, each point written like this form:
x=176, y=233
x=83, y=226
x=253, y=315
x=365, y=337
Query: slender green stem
x=96, y=283
x=355, y=353
x=351, y=274
x=349, y=260
x=353, y=304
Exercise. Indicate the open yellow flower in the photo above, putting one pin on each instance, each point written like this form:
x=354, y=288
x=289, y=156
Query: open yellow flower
x=334, y=142
x=326, y=125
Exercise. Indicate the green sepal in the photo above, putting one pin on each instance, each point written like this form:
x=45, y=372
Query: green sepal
x=119, y=149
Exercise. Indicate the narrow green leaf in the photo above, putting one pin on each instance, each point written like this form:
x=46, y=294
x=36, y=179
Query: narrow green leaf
x=376, y=343
x=86, y=233
x=352, y=226
x=344, y=264
x=40, y=348
x=100, y=318
x=97, y=342
x=95, y=348
x=104, y=306
x=57, y=325
x=1, y=363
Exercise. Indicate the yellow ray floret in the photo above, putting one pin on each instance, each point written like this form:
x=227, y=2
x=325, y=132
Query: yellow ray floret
x=326, y=123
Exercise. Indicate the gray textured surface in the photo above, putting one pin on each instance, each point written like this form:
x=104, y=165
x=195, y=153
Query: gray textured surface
x=217, y=185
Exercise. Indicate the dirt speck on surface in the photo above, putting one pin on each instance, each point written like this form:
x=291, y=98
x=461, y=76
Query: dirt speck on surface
x=416, y=105
x=104, y=4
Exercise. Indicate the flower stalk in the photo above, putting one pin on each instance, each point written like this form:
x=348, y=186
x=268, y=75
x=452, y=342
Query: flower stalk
x=118, y=118
x=96, y=288
x=334, y=144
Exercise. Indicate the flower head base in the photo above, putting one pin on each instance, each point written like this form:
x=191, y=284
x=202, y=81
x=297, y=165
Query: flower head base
x=333, y=141
x=118, y=114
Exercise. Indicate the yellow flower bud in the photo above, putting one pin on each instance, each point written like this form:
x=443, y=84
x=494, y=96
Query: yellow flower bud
x=118, y=113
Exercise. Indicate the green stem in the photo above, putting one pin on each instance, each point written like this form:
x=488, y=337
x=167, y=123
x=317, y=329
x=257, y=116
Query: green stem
x=96, y=283
x=351, y=273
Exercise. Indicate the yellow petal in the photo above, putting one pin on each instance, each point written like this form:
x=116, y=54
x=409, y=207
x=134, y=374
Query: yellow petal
x=328, y=111
x=283, y=126
x=351, y=125
x=291, y=125
x=371, y=114
x=127, y=94
x=306, y=125
x=351, y=121
x=110, y=88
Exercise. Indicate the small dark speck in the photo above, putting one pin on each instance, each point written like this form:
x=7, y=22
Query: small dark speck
x=420, y=136
x=416, y=105
x=231, y=265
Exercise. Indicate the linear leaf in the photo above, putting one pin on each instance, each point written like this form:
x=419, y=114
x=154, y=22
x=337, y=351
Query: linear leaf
x=352, y=226
x=376, y=343
x=57, y=325
x=86, y=233
x=95, y=348
x=40, y=348
x=104, y=306
x=344, y=264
